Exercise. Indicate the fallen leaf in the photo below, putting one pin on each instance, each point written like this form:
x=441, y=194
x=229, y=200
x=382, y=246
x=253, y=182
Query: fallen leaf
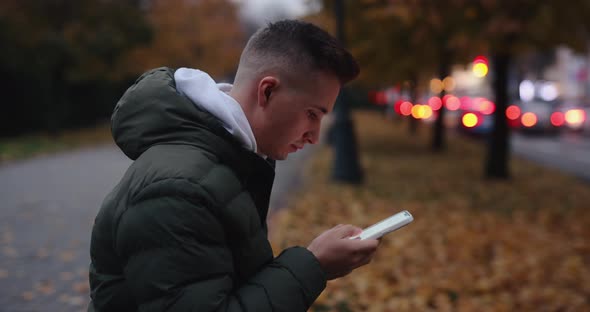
x=83, y=272
x=7, y=237
x=42, y=253
x=10, y=252
x=28, y=295
x=75, y=300
x=66, y=276
x=67, y=256
x=45, y=287
x=81, y=287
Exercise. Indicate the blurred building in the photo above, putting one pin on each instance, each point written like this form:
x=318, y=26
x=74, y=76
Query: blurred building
x=572, y=71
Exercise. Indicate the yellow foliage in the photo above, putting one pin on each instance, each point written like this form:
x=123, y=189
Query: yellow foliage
x=202, y=34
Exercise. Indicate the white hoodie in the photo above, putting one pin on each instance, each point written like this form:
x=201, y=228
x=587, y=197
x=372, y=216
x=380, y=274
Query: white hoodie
x=213, y=97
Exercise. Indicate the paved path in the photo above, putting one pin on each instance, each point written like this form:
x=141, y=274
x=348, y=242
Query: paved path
x=47, y=206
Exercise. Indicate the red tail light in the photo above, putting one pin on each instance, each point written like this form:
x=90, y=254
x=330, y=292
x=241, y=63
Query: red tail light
x=528, y=119
x=557, y=119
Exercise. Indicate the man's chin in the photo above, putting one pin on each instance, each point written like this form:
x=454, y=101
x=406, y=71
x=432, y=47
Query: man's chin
x=281, y=157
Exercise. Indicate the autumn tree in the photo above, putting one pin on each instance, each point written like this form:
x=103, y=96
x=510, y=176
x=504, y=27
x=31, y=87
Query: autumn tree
x=416, y=40
x=67, y=62
x=455, y=30
x=53, y=51
x=203, y=34
x=501, y=28
x=509, y=28
x=384, y=42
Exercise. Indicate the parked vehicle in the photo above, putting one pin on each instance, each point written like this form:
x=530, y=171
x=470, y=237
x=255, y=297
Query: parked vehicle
x=476, y=115
x=540, y=117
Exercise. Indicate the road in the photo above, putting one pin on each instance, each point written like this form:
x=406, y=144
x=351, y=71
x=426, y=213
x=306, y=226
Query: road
x=48, y=205
x=568, y=152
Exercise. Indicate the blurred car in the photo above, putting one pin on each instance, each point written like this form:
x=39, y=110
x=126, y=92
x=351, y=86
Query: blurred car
x=538, y=117
x=475, y=115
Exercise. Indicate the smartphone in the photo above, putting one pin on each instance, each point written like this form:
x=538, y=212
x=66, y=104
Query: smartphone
x=385, y=226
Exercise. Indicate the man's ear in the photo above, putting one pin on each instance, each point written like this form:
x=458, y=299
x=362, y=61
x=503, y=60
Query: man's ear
x=266, y=87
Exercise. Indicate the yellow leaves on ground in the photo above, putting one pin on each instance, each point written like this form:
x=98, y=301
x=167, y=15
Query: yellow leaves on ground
x=75, y=294
x=475, y=245
x=67, y=255
x=45, y=287
x=9, y=251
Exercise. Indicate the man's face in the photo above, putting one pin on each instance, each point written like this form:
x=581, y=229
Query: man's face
x=292, y=115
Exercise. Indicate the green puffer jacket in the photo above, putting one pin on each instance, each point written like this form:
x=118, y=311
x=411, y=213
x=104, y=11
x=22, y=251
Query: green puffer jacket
x=185, y=228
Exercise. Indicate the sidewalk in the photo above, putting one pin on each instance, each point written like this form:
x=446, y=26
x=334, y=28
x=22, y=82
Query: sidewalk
x=48, y=206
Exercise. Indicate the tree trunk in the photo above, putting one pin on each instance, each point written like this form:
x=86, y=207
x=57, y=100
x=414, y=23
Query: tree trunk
x=498, y=145
x=438, y=134
x=413, y=122
x=346, y=167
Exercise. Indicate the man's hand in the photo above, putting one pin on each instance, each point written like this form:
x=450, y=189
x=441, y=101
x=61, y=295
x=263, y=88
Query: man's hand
x=338, y=255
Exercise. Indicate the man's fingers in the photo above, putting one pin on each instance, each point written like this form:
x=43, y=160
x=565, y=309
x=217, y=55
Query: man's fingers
x=346, y=230
x=366, y=245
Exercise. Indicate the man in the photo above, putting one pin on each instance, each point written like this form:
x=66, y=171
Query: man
x=185, y=228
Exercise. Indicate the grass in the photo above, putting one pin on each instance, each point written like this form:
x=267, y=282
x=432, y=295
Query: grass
x=28, y=146
x=475, y=244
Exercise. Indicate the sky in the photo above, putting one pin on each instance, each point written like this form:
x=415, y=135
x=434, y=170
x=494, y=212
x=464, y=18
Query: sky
x=262, y=11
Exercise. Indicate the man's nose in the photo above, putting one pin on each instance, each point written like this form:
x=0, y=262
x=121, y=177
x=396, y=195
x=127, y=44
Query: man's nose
x=311, y=137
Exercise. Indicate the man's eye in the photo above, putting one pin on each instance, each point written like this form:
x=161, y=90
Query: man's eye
x=312, y=115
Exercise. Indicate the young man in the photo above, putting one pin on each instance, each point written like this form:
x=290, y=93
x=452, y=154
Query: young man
x=185, y=228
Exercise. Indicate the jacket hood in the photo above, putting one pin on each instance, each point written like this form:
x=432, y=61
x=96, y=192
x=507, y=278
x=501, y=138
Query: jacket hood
x=153, y=112
x=212, y=97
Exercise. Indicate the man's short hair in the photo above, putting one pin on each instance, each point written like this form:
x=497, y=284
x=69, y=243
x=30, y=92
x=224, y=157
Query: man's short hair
x=300, y=46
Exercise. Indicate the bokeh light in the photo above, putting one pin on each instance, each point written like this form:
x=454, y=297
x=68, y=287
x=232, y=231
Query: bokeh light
x=435, y=103
x=449, y=84
x=406, y=108
x=575, y=117
x=469, y=120
x=548, y=91
x=487, y=107
x=436, y=86
x=480, y=70
x=427, y=112
x=466, y=102
x=528, y=119
x=513, y=112
x=418, y=111
x=452, y=103
x=526, y=90
x=557, y=119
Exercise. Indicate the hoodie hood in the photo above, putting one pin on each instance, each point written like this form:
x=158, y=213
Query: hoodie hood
x=202, y=90
x=153, y=112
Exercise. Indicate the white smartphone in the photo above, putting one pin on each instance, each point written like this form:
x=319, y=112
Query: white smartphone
x=385, y=226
